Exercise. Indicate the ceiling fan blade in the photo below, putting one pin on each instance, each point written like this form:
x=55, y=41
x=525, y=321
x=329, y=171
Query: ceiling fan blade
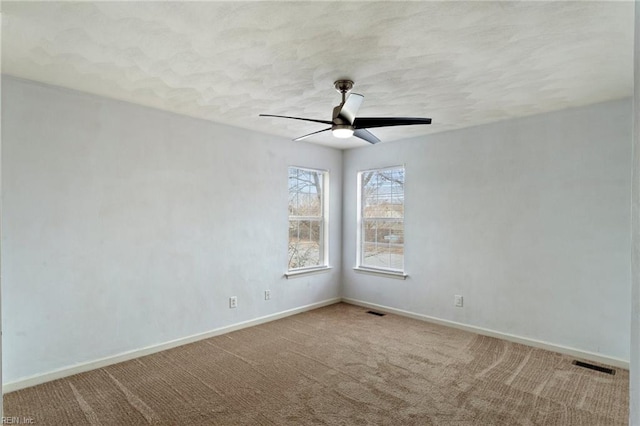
x=368, y=122
x=366, y=135
x=297, y=118
x=350, y=108
x=311, y=134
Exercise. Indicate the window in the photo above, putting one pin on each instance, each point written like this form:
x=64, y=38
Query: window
x=307, y=218
x=381, y=219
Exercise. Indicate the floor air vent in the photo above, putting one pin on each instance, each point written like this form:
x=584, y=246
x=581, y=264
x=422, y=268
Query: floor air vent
x=594, y=367
x=376, y=313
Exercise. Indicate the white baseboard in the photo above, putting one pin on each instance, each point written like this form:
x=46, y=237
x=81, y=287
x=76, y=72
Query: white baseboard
x=591, y=356
x=126, y=356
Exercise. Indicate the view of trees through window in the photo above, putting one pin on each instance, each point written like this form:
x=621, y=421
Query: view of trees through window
x=382, y=217
x=306, y=218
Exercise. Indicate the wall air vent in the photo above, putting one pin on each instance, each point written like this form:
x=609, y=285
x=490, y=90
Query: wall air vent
x=594, y=367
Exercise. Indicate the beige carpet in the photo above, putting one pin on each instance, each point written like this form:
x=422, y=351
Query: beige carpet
x=338, y=366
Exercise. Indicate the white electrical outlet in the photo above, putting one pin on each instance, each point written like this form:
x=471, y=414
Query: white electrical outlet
x=233, y=302
x=457, y=300
x=267, y=295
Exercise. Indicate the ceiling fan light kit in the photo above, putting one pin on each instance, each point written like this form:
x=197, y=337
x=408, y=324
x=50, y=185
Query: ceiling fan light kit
x=344, y=122
x=342, y=131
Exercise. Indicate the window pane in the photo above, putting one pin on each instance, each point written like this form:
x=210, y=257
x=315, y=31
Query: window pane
x=305, y=192
x=304, y=243
x=383, y=193
x=383, y=243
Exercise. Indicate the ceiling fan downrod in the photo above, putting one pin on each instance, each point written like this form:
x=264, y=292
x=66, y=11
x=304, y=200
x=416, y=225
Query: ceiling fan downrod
x=343, y=87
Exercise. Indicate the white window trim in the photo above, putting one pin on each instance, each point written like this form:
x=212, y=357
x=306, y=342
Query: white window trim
x=384, y=272
x=301, y=272
x=391, y=273
x=324, y=266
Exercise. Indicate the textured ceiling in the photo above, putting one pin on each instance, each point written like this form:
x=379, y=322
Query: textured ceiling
x=462, y=64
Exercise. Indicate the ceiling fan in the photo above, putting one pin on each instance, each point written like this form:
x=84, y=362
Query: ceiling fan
x=345, y=124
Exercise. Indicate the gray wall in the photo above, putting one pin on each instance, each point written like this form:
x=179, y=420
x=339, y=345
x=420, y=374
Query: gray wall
x=634, y=373
x=528, y=219
x=126, y=227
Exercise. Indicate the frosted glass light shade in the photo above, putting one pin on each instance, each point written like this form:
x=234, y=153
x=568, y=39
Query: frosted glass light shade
x=342, y=133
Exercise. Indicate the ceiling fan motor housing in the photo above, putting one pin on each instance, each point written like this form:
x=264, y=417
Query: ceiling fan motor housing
x=337, y=120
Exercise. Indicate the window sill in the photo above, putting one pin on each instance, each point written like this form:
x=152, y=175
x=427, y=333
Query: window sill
x=309, y=271
x=382, y=273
